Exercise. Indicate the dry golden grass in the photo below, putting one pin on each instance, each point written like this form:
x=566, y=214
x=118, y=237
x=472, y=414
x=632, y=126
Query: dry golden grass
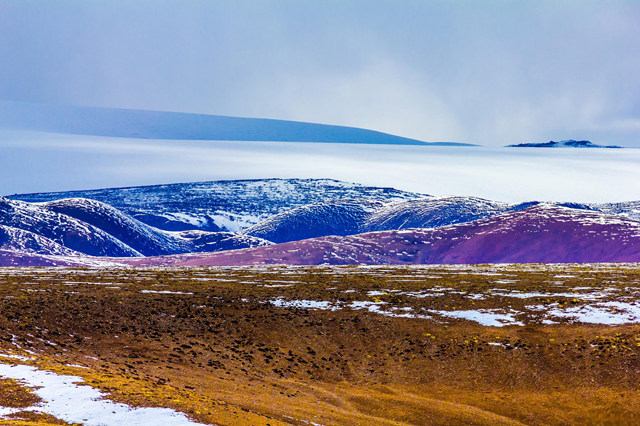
x=13, y=394
x=32, y=418
x=222, y=354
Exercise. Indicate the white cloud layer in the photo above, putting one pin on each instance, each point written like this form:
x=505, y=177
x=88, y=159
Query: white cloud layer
x=40, y=162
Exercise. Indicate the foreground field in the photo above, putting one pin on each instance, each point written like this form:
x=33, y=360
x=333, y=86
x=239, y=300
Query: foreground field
x=520, y=344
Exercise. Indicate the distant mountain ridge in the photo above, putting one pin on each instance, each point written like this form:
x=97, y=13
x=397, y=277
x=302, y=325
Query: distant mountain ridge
x=356, y=216
x=350, y=217
x=570, y=143
x=334, y=217
x=350, y=223
x=143, y=124
x=228, y=205
x=543, y=233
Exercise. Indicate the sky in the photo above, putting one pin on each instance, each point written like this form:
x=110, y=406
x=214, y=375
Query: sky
x=490, y=73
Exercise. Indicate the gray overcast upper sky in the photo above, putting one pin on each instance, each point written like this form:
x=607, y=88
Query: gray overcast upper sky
x=487, y=72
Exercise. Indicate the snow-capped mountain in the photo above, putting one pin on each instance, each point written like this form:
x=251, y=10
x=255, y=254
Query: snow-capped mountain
x=541, y=233
x=146, y=239
x=128, y=123
x=141, y=237
x=94, y=228
x=231, y=205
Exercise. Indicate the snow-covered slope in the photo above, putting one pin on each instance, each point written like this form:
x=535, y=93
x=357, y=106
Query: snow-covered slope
x=137, y=235
x=19, y=240
x=338, y=217
x=129, y=123
x=432, y=212
x=630, y=209
x=222, y=205
x=64, y=230
x=203, y=241
x=350, y=217
x=97, y=229
x=146, y=239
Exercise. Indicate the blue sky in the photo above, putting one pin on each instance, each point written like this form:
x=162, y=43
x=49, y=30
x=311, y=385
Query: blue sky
x=490, y=72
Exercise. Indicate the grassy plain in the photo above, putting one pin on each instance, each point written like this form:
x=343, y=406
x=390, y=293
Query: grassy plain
x=342, y=345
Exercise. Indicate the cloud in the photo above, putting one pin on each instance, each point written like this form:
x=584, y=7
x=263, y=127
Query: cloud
x=491, y=72
x=61, y=162
x=397, y=100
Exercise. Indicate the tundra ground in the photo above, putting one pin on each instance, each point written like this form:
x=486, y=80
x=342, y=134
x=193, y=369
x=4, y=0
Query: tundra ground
x=506, y=344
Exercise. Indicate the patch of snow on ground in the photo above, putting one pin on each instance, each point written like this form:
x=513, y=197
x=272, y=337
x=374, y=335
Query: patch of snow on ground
x=303, y=304
x=528, y=295
x=65, y=398
x=611, y=313
x=376, y=307
x=486, y=317
x=275, y=285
